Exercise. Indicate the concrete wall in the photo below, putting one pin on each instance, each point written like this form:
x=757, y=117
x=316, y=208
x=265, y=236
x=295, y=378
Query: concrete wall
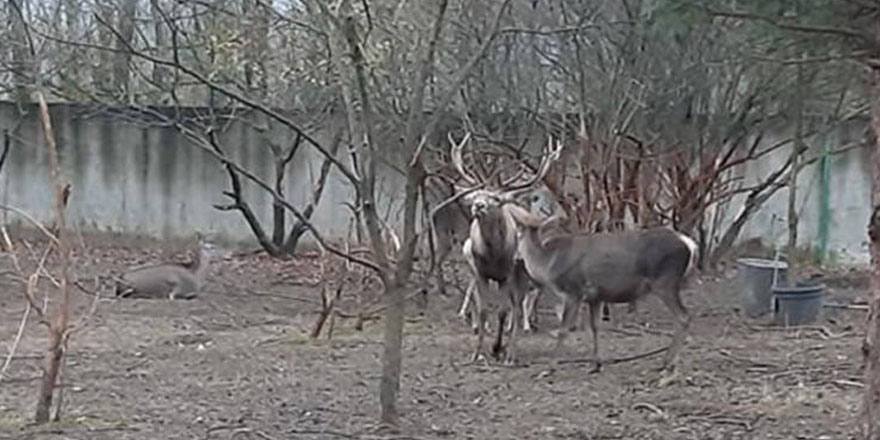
x=134, y=176
x=142, y=178
x=850, y=196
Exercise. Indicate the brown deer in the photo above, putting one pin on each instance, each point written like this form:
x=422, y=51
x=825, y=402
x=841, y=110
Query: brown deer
x=610, y=267
x=492, y=245
x=448, y=231
x=168, y=280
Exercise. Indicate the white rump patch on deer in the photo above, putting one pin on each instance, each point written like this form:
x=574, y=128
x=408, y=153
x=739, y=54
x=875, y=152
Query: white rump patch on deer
x=692, y=246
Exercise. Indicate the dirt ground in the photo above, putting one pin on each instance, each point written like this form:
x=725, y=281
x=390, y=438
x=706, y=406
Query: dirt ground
x=237, y=363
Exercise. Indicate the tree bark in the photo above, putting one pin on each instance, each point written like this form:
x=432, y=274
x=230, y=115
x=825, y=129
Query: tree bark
x=160, y=73
x=797, y=149
x=61, y=320
x=103, y=78
x=52, y=364
x=870, y=347
x=21, y=61
x=121, y=70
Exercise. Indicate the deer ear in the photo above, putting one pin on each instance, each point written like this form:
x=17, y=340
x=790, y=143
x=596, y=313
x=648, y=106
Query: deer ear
x=520, y=216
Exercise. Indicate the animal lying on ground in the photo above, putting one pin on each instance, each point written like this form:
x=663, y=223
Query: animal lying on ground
x=168, y=280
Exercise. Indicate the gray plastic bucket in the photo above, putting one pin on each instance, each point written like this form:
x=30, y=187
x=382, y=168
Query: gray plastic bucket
x=757, y=280
x=797, y=305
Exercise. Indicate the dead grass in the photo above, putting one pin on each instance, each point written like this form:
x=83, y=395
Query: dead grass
x=237, y=363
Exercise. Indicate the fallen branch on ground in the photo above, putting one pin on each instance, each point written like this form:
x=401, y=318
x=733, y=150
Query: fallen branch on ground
x=612, y=361
x=327, y=305
x=846, y=306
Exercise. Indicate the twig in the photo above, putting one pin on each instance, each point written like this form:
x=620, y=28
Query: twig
x=327, y=305
x=18, y=334
x=846, y=306
x=263, y=435
x=806, y=328
x=649, y=406
x=83, y=320
x=323, y=432
x=612, y=361
x=756, y=363
x=848, y=383
x=33, y=221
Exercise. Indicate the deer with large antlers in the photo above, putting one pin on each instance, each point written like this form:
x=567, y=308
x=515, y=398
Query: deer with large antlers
x=608, y=267
x=491, y=247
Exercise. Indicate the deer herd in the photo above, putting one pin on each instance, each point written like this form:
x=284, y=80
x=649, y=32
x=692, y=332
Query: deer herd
x=507, y=248
x=512, y=259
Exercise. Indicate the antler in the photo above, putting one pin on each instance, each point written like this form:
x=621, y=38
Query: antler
x=551, y=155
x=519, y=173
x=455, y=153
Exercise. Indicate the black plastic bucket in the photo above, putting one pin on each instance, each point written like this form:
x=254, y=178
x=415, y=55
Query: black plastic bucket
x=798, y=305
x=757, y=280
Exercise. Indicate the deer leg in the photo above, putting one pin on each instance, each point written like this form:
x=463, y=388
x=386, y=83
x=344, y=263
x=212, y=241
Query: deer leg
x=440, y=280
x=576, y=317
x=533, y=313
x=472, y=295
x=566, y=311
x=478, y=348
x=528, y=307
x=480, y=286
x=672, y=299
x=582, y=325
x=498, y=346
x=515, y=294
x=594, y=328
x=462, y=311
x=175, y=292
x=440, y=256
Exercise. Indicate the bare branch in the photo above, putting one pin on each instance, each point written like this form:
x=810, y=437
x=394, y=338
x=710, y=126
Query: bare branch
x=792, y=26
x=226, y=92
x=30, y=219
x=205, y=146
x=7, y=143
x=14, y=346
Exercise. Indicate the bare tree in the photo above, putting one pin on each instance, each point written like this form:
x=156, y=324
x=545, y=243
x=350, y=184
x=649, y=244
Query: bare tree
x=21, y=63
x=282, y=242
x=121, y=69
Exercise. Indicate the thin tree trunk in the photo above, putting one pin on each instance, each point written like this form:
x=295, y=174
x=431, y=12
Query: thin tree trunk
x=871, y=348
x=61, y=321
x=52, y=364
x=21, y=65
x=74, y=66
x=105, y=38
x=160, y=74
x=121, y=70
x=796, y=151
x=278, y=212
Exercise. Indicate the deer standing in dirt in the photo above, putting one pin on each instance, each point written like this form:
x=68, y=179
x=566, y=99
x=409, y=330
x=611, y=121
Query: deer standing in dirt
x=449, y=228
x=168, y=280
x=609, y=267
x=491, y=247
